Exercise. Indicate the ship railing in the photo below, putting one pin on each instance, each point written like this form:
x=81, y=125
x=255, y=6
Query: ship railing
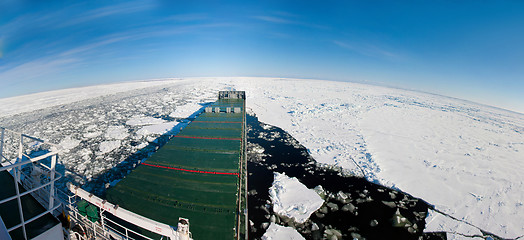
x=102, y=229
x=242, y=214
x=105, y=226
x=20, y=153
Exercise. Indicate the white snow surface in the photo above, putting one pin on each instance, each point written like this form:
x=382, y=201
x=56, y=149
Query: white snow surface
x=185, y=110
x=68, y=143
x=438, y=222
x=156, y=128
x=108, y=146
x=292, y=199
x=465, y=158
x=26, y=103
x=144, y=120
x=116, y=132
x=278, y=232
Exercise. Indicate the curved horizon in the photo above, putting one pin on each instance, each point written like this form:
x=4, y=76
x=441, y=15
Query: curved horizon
x=466, y=50
x=183, y=78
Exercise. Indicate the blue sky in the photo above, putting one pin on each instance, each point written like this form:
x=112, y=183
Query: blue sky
x=472, y=50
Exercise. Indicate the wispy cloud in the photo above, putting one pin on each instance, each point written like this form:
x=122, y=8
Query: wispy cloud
x=278, y=35
x=274, y=19
x=285, y=14
x=35, y=69
x=23, y=23
x=187, y=17
x=117, y=9
x=282, y=20
x=1, y=47
x=368, y=49
x=52, y=64
x=138, y=34
x=68, y=16
x=45, y=50
x=91, y=46
x=58, y=62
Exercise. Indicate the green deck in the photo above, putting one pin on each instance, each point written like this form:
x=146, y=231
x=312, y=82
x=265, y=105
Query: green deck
x=31, y=208
x=213, y=142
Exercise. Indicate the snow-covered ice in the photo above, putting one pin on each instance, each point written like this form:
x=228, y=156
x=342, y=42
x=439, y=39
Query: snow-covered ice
x=156, y=128
x=108, y=146
x=68, y=143
x=292, y=199
x=277, y=232
x=26, y=103
x=116, y=132
x=186, y=110
x=143, y=120
x=98, y=127
x=438, y=222
x=462, y=157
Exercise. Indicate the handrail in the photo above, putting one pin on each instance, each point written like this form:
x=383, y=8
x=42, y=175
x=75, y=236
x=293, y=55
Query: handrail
x=33, y=218
x=17, y=163
x=138, y=220
x=127, y=229
x=84, y=220
x=102, y=226
x=30, y=160
x=30, y=191
x=30, y=137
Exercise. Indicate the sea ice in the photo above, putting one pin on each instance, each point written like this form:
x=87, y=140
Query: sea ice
x=108, y=146
x=116, y=132
x=463, y=157
x=35, y=101
x=156, y=129
x=438, y=222
x=277, y=232
x=68, y=143
x=143, y=121
x=184, y=111
x=292, y=199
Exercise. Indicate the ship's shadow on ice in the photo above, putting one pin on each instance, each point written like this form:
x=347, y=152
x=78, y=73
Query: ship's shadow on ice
x=354, y=208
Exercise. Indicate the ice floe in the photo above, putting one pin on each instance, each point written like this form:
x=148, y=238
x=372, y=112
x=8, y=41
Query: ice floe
x=277, y=232
x=156, y=128
x=292, y=199
x=108, y=146
x=116, y=132
x=143, y=120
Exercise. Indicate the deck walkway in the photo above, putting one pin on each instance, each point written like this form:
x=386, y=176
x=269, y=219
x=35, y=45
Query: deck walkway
x=199, y=174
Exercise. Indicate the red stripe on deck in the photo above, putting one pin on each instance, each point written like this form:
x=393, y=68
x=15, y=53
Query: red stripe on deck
x=215, y=122
x=188, y=170
x=214, y=138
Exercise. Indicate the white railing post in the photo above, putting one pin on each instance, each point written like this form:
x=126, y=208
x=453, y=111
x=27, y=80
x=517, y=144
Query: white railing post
x=16, y=171
x=52, y=187
x=20, y=157
x=102, y=223
x=2, y=145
